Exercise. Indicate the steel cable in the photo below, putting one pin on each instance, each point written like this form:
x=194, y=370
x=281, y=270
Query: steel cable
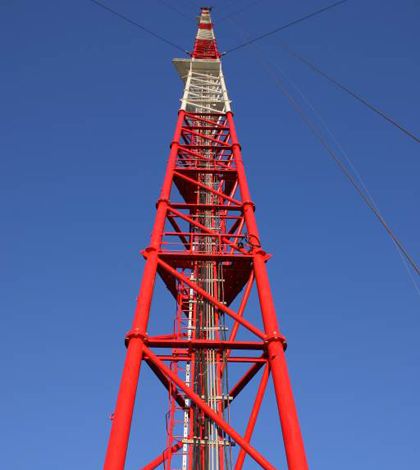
x=281, y=28
x=346, y=173
x=229, y=15
x=138, y=25
x=181, y=13
x=336, y=158
x=350, y=162
x=316, y=69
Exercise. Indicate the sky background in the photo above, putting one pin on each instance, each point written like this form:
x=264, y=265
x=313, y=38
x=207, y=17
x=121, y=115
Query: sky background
x=88, y=106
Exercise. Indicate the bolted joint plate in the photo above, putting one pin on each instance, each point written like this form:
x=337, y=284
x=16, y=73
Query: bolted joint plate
x=276, y=337
x=135, y=333
x=162, y=199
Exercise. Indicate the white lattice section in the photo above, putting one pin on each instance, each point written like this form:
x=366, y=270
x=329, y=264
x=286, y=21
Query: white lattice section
x=205, y=89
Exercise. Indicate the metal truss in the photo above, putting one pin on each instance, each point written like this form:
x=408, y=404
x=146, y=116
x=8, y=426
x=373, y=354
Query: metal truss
x=206, y=248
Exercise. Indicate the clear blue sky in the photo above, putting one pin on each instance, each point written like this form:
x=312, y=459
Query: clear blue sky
x=88, y=108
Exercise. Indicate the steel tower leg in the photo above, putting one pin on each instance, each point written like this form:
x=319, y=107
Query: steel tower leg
x=206, y=248
x=121, y=423
x=292, y=436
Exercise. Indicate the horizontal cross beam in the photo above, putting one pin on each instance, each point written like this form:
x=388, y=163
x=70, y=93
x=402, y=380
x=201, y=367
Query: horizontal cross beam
x=209, y=412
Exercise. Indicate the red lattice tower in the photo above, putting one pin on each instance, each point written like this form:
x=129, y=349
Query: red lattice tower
x=206, y=248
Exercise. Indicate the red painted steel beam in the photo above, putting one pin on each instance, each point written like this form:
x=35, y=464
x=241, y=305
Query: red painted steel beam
x=165, y=382
x=206, y=137
x=205, y=344
x=241, y=309
x=247, y=377
x=210, y=413
x=242, y=305
x=195, y=256
x=121, y=424
x=171, y=336
x=211, y=299
x=206, y=128
x=224, y=172
x=187, y=206
x=234, y=226
x=208, y=188
x=254, y=415
x=292, y=436
x=206, y=230
x=236, y=359
x=179, y=232
x=199, y=117
x=155, y=463
x=205, y=140
x=198, y=156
